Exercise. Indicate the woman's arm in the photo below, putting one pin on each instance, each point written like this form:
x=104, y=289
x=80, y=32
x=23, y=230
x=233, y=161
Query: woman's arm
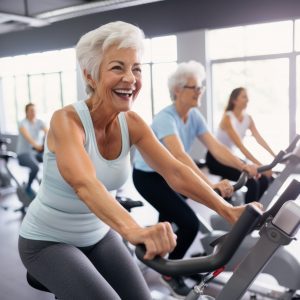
x=29, y=138
x=260, y=140
x=180, y=177
x=224, y=155
x=227, y=126
x=45, y=130
x=66, y=140
x=174, y=145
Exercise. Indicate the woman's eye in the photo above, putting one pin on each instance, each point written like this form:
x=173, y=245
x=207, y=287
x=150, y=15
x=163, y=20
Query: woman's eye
x=116, y=68
x=137, y=70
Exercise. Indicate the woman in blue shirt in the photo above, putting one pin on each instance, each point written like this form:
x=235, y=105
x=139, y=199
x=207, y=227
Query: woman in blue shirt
x=176, y=127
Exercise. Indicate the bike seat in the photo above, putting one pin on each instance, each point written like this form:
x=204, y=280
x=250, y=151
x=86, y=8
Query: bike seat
x=128, y=203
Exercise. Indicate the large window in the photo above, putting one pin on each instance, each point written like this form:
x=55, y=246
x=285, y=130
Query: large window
x=46, y=79
x=160, y=60
x=250, y=40
x=49, y=80
x=252, y=57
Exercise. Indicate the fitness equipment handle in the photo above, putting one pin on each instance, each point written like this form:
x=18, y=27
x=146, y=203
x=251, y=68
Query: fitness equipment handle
x=291, y=193
x=293, y=144
x=221, y=255
x=277, y=159
x=245, y=176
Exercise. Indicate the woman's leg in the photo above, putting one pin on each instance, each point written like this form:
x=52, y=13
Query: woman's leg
x=112, y=259
x=65, y=271
x=264, y=183
x=217, y=168
x=233, y=174
x=252, y=193
x=29, y=160
x=171, y=206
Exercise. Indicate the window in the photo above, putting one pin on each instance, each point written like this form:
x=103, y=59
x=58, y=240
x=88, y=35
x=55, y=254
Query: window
x=46, y=79
x=49, y=80
x=250, y=40
x=267, y=83
x=297, y=35
x=252, y=57
x=159, y=61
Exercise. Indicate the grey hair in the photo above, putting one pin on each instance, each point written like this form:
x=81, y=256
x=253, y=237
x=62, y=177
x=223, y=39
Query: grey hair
x=183, y=72
x=91, y=46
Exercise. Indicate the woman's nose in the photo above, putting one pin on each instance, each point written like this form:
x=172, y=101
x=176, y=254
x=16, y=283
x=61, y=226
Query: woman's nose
x=129, y=77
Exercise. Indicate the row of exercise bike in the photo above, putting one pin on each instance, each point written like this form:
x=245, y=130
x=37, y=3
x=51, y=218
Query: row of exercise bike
x=256, y=243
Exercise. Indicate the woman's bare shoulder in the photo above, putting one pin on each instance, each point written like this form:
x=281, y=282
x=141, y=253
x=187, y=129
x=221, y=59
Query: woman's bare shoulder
x=136, y=125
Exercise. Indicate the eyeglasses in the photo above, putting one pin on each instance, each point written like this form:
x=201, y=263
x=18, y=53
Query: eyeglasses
x=197, y=89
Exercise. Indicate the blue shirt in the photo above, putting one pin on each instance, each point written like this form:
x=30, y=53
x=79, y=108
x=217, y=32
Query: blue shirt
x=34, y=128
x=168, y=122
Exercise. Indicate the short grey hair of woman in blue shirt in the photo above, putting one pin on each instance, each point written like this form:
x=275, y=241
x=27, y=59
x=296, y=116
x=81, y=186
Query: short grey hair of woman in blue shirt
x=184, y=71
x=91, y=46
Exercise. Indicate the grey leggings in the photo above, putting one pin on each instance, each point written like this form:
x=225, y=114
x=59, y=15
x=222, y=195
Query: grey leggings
x=102, y=271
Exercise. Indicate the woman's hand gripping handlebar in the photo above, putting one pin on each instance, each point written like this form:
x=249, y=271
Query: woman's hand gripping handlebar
x=245, y=176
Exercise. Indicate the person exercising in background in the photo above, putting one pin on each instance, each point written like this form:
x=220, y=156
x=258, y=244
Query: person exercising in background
x=176, y=127
x=231, y=132
x=29, y=145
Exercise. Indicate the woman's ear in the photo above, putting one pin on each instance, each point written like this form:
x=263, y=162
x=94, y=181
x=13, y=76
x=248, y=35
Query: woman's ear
x=89, y=79
x=177, y=90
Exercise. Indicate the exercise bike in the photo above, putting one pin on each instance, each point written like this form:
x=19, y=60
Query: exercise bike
x=290, y=157
x=5, y=156
x=6, y=186
x=284, y=259
x=277, y=227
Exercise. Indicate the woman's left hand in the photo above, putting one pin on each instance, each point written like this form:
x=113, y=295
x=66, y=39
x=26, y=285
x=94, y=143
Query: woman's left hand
x=236, y=211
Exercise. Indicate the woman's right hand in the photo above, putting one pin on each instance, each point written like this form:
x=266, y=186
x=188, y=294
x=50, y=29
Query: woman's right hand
x=235, y=212
x=158, y=239
x=251, y=170
x=38, y=148
x=268, y=173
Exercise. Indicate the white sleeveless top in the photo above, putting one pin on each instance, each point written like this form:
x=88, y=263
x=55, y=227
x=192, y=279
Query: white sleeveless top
x=57, y=214
x=241, y=128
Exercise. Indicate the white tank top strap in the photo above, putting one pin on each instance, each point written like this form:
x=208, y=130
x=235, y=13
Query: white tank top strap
x=86, y=120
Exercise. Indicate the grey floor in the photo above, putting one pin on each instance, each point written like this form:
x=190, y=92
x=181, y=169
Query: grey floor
x=13, y=284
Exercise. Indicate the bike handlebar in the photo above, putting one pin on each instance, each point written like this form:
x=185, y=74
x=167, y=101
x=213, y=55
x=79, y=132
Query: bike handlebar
x=245, y=176
x=293, y=144
x=290, y=193
x=222, y=254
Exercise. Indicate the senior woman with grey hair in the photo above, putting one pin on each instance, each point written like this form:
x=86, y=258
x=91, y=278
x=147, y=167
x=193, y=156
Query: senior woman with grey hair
x=176, y=127
x=69, y=238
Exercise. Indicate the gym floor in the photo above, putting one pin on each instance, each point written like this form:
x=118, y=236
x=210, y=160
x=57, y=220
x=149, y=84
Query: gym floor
x=13, y=284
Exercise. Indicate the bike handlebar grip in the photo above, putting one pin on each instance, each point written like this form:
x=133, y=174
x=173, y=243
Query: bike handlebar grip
x=222, y=254
x=241, y=181
x=293, y=144
x=277, y=159
x=291, y=193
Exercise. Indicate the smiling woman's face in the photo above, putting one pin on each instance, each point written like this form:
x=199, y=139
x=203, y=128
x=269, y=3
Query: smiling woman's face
x=120, y=77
